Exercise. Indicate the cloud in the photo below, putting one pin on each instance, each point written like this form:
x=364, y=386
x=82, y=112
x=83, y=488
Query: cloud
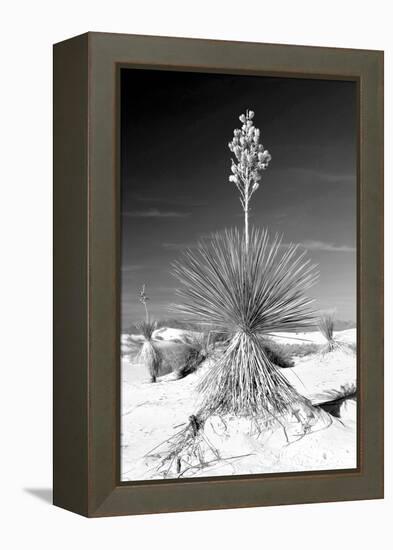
x=155, y=213
x=320, y=246
x=326, y=247
x=174, y=201
x=132, y=267
x=338, y=178
x=205, y=237
x=179, y=246
x=328, y=177
x=308, y=244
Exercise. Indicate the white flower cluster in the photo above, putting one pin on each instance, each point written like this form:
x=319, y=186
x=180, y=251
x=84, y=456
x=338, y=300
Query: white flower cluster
x=250, y=155
x=143, y=298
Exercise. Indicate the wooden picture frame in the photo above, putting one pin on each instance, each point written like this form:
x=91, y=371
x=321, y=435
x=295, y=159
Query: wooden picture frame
x=86, y=274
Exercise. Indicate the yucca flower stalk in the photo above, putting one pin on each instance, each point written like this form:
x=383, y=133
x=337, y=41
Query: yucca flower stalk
x=250, y=293
x=251, y=160
x=143, y=298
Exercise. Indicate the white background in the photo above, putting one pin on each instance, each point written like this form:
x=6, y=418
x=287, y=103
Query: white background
x=28, y=30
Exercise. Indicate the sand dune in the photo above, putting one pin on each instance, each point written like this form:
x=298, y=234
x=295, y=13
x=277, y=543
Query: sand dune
x=152, y=413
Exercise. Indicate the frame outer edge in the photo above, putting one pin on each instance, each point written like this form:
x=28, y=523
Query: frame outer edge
x=370, y=276
x=106, y=497
x=70, y=270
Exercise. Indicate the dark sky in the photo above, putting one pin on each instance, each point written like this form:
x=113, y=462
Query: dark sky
x=175, y=164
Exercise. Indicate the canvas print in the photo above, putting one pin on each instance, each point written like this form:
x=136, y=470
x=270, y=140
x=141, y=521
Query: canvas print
x=238, y=274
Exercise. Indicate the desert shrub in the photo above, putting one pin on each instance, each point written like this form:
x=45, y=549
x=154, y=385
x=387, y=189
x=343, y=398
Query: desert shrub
x=278, y=354
x=192, y=360
x=334, y=399
x=302, y=349
x=218, y=337
x=326, y=326
x=289, y=351
x=199, y=347
x=246, y=292
x=346, y=391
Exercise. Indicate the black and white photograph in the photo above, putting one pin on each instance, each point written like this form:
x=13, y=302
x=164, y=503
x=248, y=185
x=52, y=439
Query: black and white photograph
x=195, y=244
x=238, y=274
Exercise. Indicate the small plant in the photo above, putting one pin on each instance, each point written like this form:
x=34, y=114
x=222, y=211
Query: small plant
x=346, y=391
x=279, y=355
x=219, y=338
x=199, y=347
x=326, y=326
x=303, y=349
x=150, y=354
x=334, y=399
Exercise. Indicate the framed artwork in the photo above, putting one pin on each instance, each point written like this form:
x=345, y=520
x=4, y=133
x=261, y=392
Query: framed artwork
x=218, y=287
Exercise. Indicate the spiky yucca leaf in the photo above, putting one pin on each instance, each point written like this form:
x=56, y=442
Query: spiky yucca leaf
x=244, y=381
x=326, y=326
x=259, y=291
x=248, y=292
x=147, y=329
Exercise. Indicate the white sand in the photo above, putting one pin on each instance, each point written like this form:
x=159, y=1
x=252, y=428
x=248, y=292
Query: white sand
x=169, y=334
x=348, y=336
x=152, y=413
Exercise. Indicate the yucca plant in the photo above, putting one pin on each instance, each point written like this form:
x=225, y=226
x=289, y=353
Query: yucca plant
x=150, y=354
x=249, y=292
x=245, y=286
x=326, y=326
